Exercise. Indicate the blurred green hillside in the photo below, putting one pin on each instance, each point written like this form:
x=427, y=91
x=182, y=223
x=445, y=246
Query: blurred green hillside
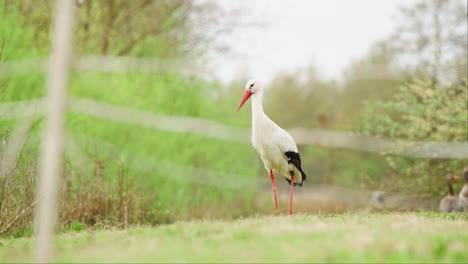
x=165, y=93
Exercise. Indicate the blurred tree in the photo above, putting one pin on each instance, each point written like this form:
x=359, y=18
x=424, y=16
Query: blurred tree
x=160, y=28
x=370, y=78
x=430, y=40
x=301, y=99
x=431, y=37
x=429, y=46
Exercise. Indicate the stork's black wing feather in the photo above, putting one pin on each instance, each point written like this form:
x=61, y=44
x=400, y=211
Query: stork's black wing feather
x=295, y=159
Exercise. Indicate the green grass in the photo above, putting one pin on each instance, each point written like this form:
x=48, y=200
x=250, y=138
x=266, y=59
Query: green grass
x=396, y=237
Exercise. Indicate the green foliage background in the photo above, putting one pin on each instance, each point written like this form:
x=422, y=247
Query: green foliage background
x=420, y=111
x=377, y=97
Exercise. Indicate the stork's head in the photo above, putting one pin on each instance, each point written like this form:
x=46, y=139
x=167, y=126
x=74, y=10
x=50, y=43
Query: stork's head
x=251, y=87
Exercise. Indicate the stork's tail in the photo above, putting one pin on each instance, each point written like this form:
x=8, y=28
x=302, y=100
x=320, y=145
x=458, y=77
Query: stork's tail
x=294, y=158
x=304, y=177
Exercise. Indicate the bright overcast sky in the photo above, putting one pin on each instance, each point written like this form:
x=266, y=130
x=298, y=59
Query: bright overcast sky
x=330, y=33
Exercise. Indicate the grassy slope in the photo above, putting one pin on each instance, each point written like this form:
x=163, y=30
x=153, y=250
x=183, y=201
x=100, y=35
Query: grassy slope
x=301, y=238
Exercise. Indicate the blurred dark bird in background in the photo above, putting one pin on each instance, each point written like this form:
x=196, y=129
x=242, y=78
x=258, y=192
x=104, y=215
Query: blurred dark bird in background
x=450, y=202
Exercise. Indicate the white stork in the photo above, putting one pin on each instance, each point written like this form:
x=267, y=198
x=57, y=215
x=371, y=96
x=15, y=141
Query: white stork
x=275, y=146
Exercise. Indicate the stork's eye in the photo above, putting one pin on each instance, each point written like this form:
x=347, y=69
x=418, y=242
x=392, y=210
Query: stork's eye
x=251, y=86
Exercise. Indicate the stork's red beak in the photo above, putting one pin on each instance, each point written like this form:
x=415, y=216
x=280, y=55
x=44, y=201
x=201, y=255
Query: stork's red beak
x=246, y=96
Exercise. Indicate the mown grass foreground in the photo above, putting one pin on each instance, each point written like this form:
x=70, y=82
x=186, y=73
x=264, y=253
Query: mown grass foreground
x=394, y=237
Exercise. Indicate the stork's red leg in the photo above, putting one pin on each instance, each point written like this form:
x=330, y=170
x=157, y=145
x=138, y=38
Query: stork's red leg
x=291, y=195
x=274, y=189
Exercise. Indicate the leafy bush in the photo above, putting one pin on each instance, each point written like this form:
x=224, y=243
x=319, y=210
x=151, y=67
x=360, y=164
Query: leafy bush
x=421, y=110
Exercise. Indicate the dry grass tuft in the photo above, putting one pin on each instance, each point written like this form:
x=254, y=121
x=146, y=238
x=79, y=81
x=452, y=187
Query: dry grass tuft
x=83, y=202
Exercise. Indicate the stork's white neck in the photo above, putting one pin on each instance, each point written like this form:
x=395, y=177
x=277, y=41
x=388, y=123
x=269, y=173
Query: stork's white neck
x=257, y=108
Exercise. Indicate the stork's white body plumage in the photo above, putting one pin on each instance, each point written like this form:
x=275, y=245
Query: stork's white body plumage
x=275, y=146
x=271, y=141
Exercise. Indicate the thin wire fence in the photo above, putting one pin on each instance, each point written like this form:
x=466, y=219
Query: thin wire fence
x=216, y=130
